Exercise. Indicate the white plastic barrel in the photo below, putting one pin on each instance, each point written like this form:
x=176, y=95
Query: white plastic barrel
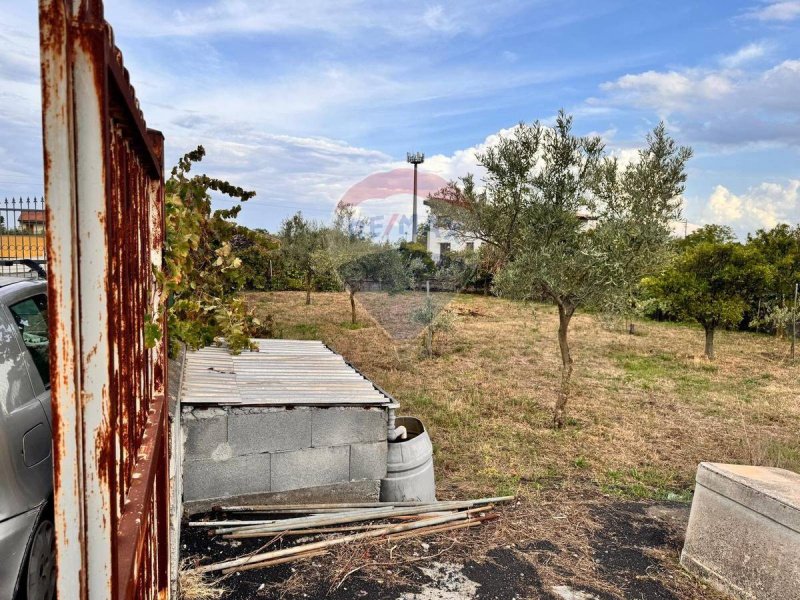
x=409, y=469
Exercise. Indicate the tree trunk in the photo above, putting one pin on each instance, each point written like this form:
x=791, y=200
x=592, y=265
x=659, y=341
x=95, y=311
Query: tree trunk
x=352, y=306
x=710, y=342
x=308, y=288
x=565, y=312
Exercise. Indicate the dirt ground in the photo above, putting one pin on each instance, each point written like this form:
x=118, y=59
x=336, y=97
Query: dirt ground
x=603, y=501
x=545, y=547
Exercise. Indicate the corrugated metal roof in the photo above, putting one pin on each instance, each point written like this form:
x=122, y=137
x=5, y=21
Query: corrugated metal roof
x=282, y=372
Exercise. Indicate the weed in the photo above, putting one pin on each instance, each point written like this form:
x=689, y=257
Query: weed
x=581, y=462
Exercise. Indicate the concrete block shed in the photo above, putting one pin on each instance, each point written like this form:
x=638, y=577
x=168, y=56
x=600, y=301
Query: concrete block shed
x=293, y=422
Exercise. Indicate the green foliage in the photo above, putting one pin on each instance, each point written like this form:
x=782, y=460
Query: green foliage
x=260, y=256
x=772, y=307
x=566, y=221
x=358, y=261
x=710, y=282
x=435, y=321
x=418, y=262
x=712, y=233
x=201, y=274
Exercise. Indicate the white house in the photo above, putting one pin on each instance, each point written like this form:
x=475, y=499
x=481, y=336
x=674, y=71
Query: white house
x=443, y=241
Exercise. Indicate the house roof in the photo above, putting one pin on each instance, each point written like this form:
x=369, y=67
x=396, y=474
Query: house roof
x=31, y=216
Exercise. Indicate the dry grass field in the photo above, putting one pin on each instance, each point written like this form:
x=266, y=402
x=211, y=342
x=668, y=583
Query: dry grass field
x=603, y=502
x=646, y=408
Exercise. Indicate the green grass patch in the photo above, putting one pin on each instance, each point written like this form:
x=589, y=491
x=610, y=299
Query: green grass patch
x=644, y=483
x=782, y=455
x=581, y=462
x=299, y=331
x=352, y=326
x=649, y=371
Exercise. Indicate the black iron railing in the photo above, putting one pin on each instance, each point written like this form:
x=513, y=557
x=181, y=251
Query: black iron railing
x=22, y=235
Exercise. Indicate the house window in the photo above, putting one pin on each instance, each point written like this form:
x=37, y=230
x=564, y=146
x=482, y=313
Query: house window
x=444, y=249
x=470, y=246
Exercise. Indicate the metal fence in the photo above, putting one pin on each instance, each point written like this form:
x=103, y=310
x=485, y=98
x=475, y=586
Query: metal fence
x=22, y=234
x=105, y=239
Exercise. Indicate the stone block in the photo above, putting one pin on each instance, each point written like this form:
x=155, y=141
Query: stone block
x=251, y=431
x=310, y=467
x=368, y=461
x=744, y=531
x=204, y=434
x=350, y=491
x=208, y=479
x=345, y=425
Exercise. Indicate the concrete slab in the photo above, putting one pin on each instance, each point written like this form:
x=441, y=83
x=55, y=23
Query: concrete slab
x=209, y=479
x=204, y=434
x=350, y=491
x=744, y=531
x=368, y=461
x=344, y=425
x=310, y=467
x=253, y=431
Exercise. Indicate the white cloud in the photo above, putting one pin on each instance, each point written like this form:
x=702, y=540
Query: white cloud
x=670, y=91
x=437, y=19
x=764, y=205
x=744, y=55
x=724, y=105
x=783, y=10
x=344, y=19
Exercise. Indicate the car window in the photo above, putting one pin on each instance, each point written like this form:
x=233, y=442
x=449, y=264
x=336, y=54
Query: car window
x=31, y=318
x=15, y=385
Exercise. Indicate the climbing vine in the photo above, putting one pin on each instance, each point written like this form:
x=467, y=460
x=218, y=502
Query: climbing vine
x=202, y=274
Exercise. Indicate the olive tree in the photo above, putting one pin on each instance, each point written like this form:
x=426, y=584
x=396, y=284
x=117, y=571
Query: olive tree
x=301, y=241
x=572, y=224
x=710, y=282
x=360, y=262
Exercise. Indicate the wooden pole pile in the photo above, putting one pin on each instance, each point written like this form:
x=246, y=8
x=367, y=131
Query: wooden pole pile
x=357, y=521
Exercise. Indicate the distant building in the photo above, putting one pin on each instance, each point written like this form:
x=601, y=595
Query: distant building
x=441, y=241
x=31, y=221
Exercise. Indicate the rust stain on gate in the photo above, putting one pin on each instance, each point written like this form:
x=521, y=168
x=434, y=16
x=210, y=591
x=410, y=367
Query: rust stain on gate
x=105, y=231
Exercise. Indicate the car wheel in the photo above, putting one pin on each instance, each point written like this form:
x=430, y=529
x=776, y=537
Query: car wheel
x=40, y=582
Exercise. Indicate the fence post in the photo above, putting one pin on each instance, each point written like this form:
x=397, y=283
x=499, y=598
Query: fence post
x=105, y=230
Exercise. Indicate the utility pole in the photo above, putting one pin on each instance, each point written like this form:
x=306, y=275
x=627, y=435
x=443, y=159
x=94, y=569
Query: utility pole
x=415, y=158
x=794, y=319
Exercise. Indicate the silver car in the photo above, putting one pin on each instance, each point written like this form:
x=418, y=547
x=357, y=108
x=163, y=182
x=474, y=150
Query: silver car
x=27, y=556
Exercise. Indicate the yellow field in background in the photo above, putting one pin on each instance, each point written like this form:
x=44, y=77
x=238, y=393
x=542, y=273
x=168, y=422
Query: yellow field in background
x=21, y=246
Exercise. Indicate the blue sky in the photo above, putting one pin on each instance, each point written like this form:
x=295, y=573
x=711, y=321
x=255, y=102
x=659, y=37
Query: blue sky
x=300, y=100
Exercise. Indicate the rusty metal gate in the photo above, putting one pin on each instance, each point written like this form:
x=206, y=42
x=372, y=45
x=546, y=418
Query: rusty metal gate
x=105, y=228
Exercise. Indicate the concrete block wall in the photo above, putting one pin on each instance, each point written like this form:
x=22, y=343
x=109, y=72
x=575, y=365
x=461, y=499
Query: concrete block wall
x=235, y=451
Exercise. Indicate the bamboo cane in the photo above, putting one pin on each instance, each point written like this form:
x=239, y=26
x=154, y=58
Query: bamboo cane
x=364, y=515
x=329, y=543
x=277, y=508
x=343, y=507
x=369, y=514
x=274, y=562
x=255, y=534
x=475, y=521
